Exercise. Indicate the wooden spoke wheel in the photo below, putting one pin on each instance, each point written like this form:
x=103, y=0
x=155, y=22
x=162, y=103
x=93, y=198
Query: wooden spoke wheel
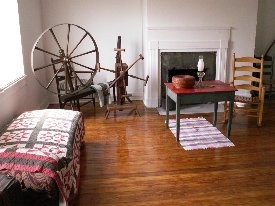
x=65, y=53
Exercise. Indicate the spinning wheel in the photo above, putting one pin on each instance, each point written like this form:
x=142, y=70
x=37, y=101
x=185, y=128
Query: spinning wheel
x=65, y=52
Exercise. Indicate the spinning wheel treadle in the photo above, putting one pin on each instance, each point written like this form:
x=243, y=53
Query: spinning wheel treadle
x=73, y=52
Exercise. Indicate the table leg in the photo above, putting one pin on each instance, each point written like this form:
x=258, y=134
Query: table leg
x=230, y=112
x=215, y=113
x=167, y=109
x=178, y=118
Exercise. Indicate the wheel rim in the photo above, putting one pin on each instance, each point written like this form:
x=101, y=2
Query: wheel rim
x=66, y=50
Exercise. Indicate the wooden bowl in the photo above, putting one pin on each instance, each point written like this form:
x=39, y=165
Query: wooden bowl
x=183, y=81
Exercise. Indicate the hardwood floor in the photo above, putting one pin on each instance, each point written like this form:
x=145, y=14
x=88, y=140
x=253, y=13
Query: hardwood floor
x=132, y=160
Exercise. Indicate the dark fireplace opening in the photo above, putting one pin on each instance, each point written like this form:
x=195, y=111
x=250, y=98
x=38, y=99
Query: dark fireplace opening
x=185, y=63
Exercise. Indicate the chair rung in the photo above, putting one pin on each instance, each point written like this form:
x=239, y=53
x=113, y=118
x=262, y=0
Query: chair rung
x=246, y=109
x=250, y=115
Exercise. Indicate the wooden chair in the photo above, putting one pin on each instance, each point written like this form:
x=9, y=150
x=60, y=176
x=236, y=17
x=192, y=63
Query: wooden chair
x=248, y=80
x=76, y=99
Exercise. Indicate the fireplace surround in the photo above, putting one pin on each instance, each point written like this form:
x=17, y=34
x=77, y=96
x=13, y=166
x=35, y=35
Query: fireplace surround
x=181, y=39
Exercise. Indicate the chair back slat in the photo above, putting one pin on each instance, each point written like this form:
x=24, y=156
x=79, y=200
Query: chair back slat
x=247, y=78
x=247, y=69
x=247, y=87
x=248, y=59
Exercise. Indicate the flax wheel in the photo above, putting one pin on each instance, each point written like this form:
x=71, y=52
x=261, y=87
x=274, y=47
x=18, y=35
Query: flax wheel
x=65, y=52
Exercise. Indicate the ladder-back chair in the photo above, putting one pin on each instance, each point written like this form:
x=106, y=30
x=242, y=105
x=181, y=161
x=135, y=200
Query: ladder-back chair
x=248, y=80
x=78, y=99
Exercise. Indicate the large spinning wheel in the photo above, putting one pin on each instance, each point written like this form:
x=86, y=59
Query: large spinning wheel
x=65, y=52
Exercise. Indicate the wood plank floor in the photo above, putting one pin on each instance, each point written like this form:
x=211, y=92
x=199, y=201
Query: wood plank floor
x=132, y=160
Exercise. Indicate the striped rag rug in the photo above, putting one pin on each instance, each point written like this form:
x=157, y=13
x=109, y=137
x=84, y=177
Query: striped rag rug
x=198, y=133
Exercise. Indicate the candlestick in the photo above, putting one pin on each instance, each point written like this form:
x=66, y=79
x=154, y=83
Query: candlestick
x=199, y=84
x=200, y=64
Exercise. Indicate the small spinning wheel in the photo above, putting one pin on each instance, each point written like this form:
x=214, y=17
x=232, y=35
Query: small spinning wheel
x=67, y=52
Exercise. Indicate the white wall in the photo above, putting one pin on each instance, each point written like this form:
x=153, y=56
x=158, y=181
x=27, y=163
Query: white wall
x=31, y=27
x=105, y=20
x=26, y=94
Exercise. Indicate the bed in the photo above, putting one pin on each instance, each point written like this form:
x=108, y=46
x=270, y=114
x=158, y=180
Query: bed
x=41, y=149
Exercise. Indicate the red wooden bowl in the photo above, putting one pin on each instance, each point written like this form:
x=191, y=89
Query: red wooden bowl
x=183, y=81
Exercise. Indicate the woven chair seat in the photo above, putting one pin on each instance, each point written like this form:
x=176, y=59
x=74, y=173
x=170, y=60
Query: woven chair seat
x=246, y=99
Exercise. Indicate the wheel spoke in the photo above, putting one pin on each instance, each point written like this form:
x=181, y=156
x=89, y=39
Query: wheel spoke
x=47, y=87
x=51, y=30
x=78, y=43
x=39, y=49
x=38, y=68
x=83, y=66
x=68, y=39
x=83, y=54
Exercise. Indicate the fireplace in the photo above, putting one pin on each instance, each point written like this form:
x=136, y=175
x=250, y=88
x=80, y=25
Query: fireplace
x=176, y=63
x=158, y=40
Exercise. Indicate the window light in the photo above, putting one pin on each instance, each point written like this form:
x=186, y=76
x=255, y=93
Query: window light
x=11, y=57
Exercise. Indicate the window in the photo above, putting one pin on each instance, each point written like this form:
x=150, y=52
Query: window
x=11, y=58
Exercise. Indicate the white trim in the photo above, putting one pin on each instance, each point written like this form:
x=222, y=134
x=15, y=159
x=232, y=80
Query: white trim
x=188, y=28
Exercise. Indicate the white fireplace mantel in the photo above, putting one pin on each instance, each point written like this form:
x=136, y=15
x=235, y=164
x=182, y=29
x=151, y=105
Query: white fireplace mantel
x=181, y=39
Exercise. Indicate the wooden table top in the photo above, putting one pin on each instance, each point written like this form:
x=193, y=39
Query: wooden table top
x=214, y=86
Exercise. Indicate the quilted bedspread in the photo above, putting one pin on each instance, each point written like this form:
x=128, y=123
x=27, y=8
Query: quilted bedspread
x=45, y=142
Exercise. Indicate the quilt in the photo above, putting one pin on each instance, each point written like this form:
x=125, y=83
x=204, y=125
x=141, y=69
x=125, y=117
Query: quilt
x=45, y=142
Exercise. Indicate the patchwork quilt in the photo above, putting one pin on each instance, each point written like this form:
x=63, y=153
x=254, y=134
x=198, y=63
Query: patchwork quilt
x=41, y=148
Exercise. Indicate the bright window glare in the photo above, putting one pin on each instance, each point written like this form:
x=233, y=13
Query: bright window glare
x=11, y=57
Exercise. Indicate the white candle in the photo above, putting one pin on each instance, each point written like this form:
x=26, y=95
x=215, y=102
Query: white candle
x=200, y=64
